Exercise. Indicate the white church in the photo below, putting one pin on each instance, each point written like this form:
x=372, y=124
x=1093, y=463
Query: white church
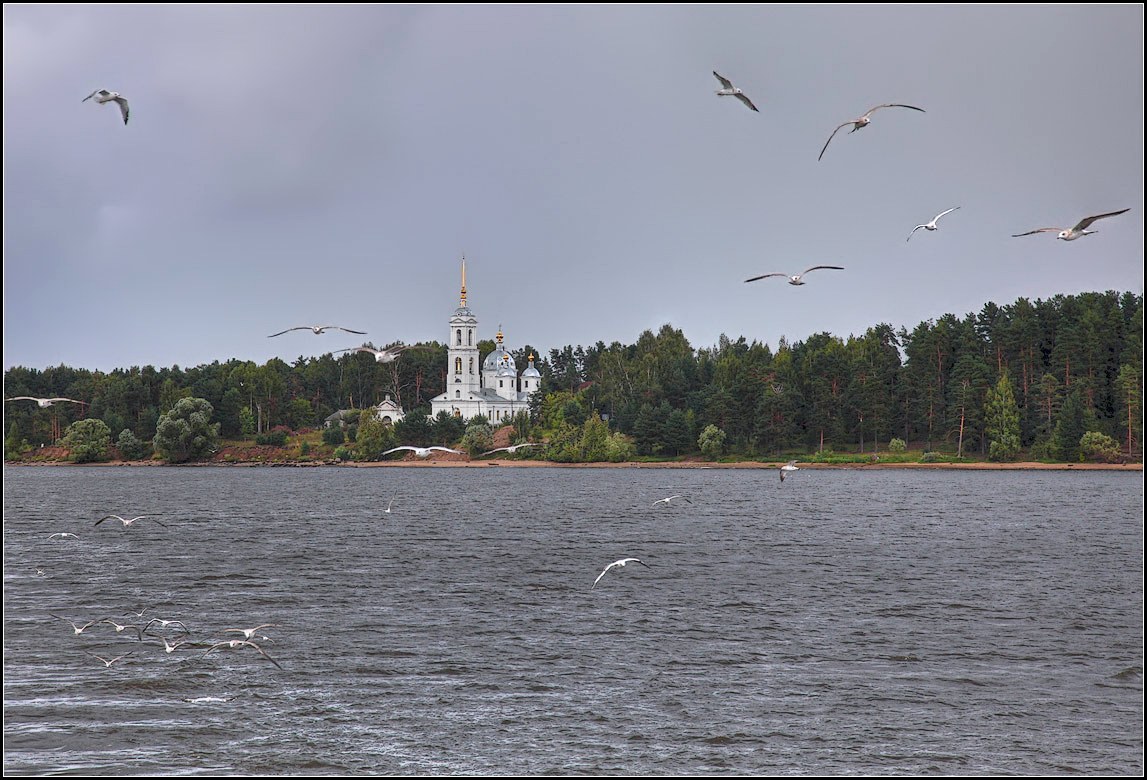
x=493, y=390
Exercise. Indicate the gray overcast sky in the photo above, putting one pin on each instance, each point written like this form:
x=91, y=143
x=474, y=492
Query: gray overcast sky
x=330, y=165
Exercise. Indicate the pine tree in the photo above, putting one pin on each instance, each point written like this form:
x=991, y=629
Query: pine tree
x=1002, y=421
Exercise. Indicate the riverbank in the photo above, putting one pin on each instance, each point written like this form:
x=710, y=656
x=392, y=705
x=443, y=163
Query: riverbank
x=459, y=463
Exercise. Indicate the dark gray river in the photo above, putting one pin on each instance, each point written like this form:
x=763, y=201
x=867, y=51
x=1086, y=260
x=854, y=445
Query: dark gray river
x=845, y=622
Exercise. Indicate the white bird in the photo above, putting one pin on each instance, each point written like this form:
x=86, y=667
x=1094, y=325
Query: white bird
x=103, y=96
x=137, y=614
x=108, y=662
x=514, y=447
x=797, y=279
x=316, y=329
x=169, y=647
x=235, y=644
x=670, y=498
x=863, y=121
x=44, y=402
x=126, y=523
x=423, y=452
x=63, y=535
x=78, y=629
x=1070, y=234
x=622, y=562
x=931, y=225
x=248, y=632
x=165, y=624
x=120, y=627
x=729, y=90
x=391, y=502
x=790, y=466
x=381, y=355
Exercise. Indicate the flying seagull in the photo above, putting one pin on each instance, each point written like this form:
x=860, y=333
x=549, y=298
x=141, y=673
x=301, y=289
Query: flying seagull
x=165, y=624
x=108, y=662
x=126, y=523
x=44, y=402
x=63, y=535
x=790, y=466
x=235, y=644
x=248, y=632
x=120, y=627
x=622, y=562
x=1070, y=234
x=863, y=122
x=930, y=225
x=514, y=447
x=670, y=498
x=381, y=355
x=316, y=329
x=729, y=89
x=798, y=278
x=103, y=96
x=423, y=452
x=78, y=629
x=391, y=502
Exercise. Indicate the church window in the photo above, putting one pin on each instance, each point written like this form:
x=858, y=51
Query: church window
x=499, y=383
x=459, y=337
x=457, y=393
x=458, y=365
x=471, y=365
x=469, y=338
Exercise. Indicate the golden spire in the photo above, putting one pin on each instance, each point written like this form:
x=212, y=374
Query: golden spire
x=499, y=334
x=462, y=304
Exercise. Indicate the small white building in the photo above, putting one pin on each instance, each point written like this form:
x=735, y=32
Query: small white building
x=494, y=389
x=388, y=411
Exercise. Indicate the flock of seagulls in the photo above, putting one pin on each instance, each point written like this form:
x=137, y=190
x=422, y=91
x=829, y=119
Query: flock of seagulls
x=104, y=96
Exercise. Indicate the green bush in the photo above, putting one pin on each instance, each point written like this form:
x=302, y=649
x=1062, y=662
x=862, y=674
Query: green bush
x=88, y=440
x=276, y=437
x=342, y=453
x=931, y=457
x=1099, y=447
x=130, y=447
x=334, y=435
x=897, y=445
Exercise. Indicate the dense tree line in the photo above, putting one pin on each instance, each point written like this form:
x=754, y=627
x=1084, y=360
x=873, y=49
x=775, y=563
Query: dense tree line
x=1028, y=375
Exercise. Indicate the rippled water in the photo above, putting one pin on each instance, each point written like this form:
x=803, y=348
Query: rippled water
x=847, y=622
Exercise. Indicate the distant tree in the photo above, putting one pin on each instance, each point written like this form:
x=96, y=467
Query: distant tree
x=374, y=437
x=1002, y=421
x=186, y=432
x=246, y=421
x=1130, y=389
x=1069, y=428
x=478, y=437
x=711, y=442
x=446, y=428
x=88, y=440
x=131, y=447
x=1100, y=447
x=15, y=444
x=413, y=429
x=334, y=435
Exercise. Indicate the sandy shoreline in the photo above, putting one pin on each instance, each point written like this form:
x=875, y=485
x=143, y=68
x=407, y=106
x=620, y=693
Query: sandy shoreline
x=1018, y=466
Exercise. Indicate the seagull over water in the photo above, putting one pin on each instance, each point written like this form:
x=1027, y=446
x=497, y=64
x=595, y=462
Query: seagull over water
x=729, y=90
x=249, y=632
x=235, y=644
x=45, y=402
x=317, y=329
x=790, y=466
x=381, y=355
x=78, y=629
x=109, y=661
x=389, y=504
x=863, y=122
x=622, y=562
x=1080, y=229
x=165, y=624
x=423, y=452
x=103, y=96
x=668, y=499
x=63, y=535
x=120, y=627
x=126, y=523
x=931, y=225
x=798, y=278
